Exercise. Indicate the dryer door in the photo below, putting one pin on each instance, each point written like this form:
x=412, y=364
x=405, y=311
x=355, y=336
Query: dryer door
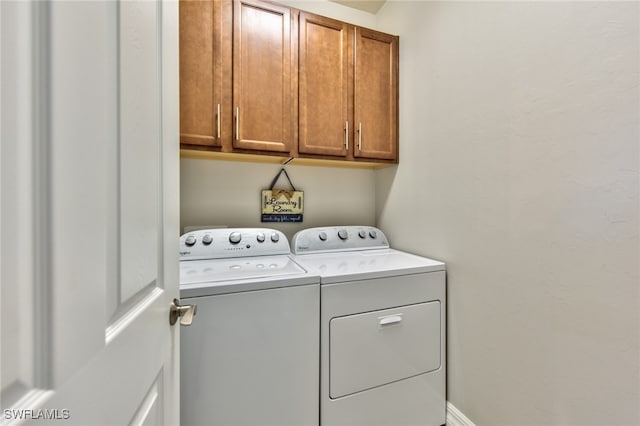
x=376, y=348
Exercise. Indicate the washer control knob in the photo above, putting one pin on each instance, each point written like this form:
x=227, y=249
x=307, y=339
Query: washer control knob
x=362, y=234
x=190, y=240
x=342, y=234
x=322, y=236
x=275, y=237
x=373, y=234
x=206, y=240
x=235, y=237
x=260, y=237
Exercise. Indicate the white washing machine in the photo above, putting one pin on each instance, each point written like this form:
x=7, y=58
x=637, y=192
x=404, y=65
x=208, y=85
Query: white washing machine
x=251, y=355
x=382, y=328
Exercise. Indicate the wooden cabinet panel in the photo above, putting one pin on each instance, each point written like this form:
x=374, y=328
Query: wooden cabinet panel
x=262, y=90
x=325, y=47
x=376, y=95
x=205, y=66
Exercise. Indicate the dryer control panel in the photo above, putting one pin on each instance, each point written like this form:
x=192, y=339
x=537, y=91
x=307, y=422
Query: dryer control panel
x=338, y=238
x=232, y=242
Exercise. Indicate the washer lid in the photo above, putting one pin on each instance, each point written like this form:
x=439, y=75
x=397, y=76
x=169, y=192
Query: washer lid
x=216, y=270
x=221, y=276
x=368, y=264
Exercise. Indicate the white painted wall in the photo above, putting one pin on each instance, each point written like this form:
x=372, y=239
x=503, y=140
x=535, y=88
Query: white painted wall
x=519, y=167
x=227, y=193
x=334, y=10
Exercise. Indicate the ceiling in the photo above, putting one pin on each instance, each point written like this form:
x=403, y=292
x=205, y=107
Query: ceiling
x=371, y=6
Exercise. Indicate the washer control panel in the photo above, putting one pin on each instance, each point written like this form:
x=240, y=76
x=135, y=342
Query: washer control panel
x=338, y=238
x=232, y=242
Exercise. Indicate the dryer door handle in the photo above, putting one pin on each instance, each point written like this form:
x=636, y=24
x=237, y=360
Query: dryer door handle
x=389, y=319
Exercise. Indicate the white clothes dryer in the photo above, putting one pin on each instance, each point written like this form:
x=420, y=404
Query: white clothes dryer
x=251, y=355
x=382, y=328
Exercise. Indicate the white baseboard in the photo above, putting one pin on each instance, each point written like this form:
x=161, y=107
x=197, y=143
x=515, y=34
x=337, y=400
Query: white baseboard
x=456, y=418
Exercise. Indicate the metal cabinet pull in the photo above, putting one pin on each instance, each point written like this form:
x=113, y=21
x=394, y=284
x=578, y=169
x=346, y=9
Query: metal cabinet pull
x=346, y=135
x=184, y=312
x=237, y=122
x=360, y=136
x=218, y=121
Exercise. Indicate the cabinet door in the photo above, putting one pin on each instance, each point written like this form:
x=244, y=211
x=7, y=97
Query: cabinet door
x=324, y=72
x=262, y=91
x=205, y=72
x=376, y=95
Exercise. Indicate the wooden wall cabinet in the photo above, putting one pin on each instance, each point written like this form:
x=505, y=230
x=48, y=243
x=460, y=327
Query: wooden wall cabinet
x=258, y=77
x=205, y=71
x=348, y=79
x=235, y=75
x=325, y=78
x=376, y=95
x=262, y=89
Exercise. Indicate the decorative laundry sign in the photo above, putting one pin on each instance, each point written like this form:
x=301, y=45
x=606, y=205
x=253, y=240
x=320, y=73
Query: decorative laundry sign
x=282, y=205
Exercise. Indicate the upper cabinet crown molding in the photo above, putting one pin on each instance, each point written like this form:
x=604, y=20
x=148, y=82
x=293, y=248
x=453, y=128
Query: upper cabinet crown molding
x=257, y=77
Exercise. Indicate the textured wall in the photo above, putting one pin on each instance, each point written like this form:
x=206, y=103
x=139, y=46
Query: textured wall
x=520, y=169
x=335, y=11
x=226, y=193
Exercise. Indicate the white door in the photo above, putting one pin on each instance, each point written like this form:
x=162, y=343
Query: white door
x=89, y=219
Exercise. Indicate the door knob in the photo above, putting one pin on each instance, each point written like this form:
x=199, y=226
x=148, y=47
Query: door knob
x=185, y=312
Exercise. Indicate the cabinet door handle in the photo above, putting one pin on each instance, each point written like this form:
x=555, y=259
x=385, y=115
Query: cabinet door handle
x=218, y=121
x=237, y=122
x=346, y=135
x=360, y=136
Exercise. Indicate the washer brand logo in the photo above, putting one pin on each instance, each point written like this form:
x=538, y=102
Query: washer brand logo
x=184, y=253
